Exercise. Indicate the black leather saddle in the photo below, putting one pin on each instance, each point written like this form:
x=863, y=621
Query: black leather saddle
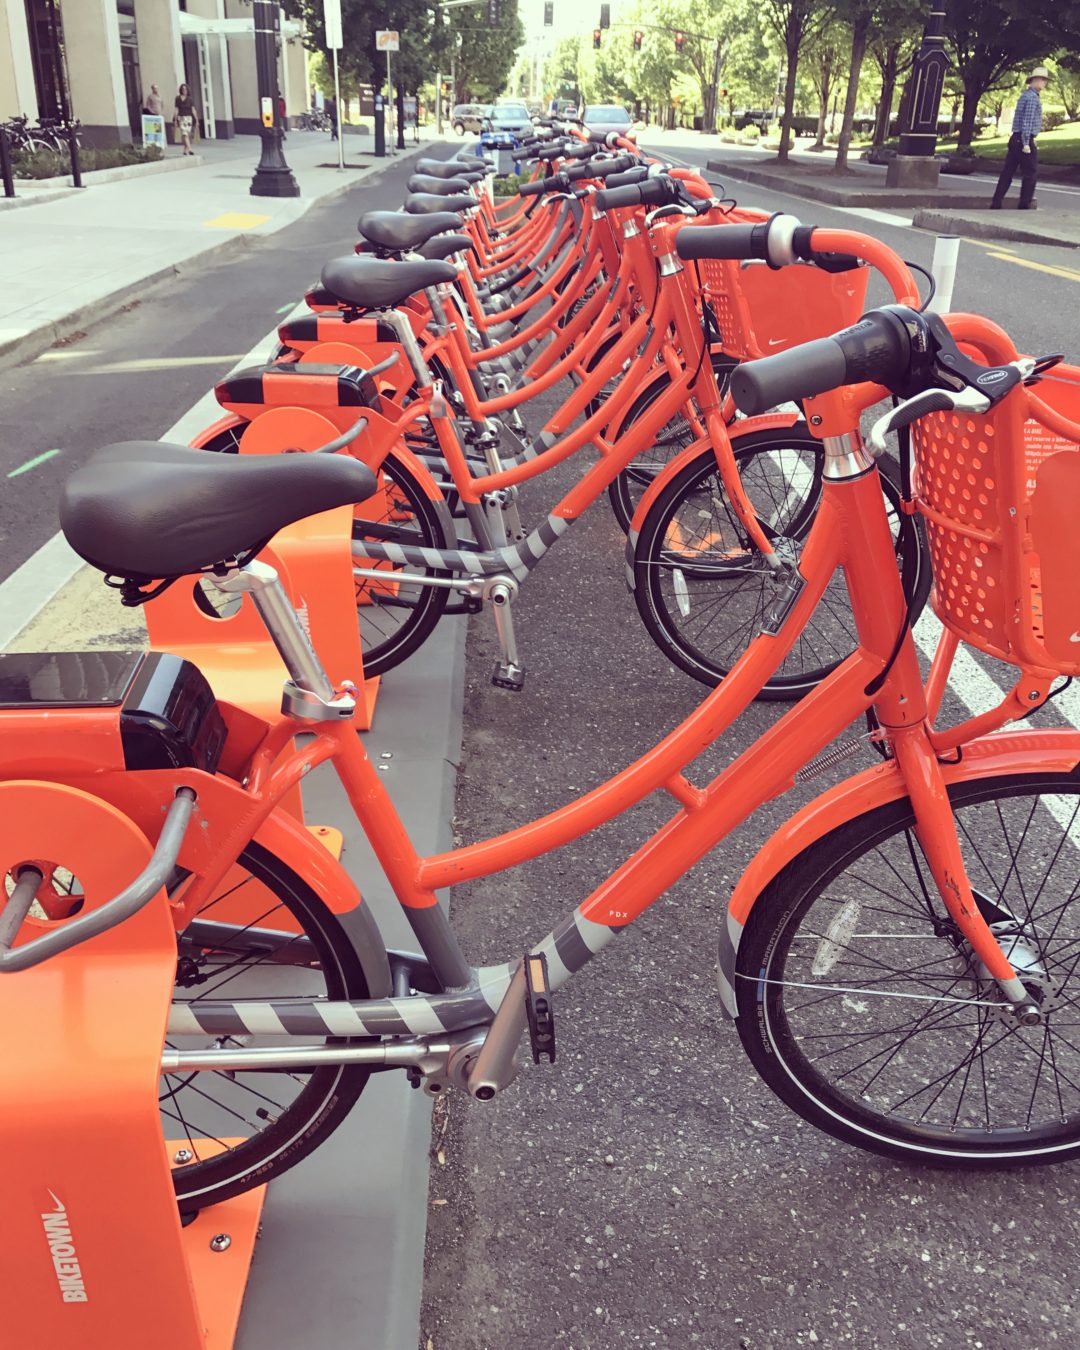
x=450, y=168
x=426, y=203
x=397, y=230
x=149, y=511
x=443, y=245
x=441, y=187
x=374, y=283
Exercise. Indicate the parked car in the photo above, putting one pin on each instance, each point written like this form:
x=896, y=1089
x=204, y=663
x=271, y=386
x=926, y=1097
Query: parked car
x=469, y=117
x=508, y=116
x=605, y=117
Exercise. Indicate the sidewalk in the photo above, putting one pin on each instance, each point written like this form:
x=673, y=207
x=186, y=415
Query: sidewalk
x=1044, y=227
x=863, y=186
x=73, y=260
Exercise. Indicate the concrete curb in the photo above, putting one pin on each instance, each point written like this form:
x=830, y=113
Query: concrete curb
x=796, y=186
x=14, y=351
x=978, y=228
x=48, y=195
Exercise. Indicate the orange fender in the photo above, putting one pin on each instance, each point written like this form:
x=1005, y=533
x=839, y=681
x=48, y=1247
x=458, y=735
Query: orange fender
x=1053, y=750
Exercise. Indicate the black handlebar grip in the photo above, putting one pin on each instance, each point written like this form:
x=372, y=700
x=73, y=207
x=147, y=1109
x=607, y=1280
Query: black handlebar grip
x=733, y=242
x=611, y=199
x=637, y=174
x=535, y=188
x=618, y=164
x=876, y=348
x=573, y=172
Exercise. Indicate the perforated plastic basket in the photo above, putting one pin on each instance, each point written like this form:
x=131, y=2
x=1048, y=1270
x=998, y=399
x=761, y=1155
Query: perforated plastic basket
x=761, y=311
x=1001, y=496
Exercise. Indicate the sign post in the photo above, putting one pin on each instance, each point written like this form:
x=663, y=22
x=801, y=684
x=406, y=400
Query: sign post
x=332, y=20
x=387, y=40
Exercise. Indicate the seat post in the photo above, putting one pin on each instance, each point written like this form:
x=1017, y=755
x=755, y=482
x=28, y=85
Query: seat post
x=290, y=637
x=405, y=335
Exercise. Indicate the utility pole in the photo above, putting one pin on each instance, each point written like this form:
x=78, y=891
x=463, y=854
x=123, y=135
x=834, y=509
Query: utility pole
x=273, y=177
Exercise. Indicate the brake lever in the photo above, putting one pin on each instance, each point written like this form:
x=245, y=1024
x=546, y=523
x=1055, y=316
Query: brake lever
x=919, y=405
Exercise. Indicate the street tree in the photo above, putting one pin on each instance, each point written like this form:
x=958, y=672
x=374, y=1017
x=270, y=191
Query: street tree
x=794, y=22
x=823, y=56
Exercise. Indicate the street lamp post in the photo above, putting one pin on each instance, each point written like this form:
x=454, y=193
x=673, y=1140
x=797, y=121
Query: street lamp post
x=915, y=165
x=273, y=177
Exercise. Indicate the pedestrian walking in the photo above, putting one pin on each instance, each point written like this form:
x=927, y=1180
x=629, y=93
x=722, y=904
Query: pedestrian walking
x=330, y=108
x=154, y=104
x=1021, y=152
x=185, y=117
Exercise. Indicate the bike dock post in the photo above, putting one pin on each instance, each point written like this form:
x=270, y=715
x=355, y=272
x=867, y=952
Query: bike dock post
x=73, y=151
x=5, y=165
x=92, y=1240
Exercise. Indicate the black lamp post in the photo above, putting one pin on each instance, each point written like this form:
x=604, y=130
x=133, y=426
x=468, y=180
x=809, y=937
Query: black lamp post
x=919, y=137
x=273, y=177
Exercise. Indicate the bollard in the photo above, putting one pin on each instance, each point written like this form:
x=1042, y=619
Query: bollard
x=943, y=270
x=380, y=128
x=73, y=151
x=5, y=165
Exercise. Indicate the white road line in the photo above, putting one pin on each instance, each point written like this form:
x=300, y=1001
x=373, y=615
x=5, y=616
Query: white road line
x=871, y=213
x=1044, y=186
x=45, y=573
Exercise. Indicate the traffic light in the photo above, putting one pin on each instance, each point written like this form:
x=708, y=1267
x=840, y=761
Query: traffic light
x=494, y=13
x=549, y=14
x=605, y=16
x=596, y=38
x=638, y=37
x=680, y=39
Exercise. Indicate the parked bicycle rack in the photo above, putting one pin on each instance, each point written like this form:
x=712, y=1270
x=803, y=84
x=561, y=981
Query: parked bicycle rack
x=92, y=1241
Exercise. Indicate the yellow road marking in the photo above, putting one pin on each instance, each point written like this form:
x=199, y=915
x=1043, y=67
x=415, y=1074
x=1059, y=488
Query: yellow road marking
x=236, y=220
x=987, y=243
x=1069, y=273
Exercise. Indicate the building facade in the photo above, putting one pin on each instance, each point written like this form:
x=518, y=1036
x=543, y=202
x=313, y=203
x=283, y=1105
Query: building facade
x=96, y=60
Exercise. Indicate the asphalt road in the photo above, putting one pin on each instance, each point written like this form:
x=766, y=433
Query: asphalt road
x=648, y=1189
x=132, y=376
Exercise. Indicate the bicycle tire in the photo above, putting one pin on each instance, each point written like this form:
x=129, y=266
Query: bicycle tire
x=733, y=578
x=932, y=1120
x=383, y=645
x=626, y=491
x=330, y=1091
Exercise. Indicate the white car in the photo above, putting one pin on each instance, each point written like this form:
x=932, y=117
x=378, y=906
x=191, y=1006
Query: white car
x=605, y=117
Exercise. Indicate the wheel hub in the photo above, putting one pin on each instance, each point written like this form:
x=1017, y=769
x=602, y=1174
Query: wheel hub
x=1020, y=948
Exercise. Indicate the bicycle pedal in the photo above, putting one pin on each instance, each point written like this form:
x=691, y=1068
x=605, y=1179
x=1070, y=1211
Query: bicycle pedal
x=539, y=1008
x=506, y=675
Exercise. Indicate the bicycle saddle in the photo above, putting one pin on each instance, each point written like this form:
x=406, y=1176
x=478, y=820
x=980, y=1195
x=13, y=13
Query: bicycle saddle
x=439, y=187
x=147, y=511
x=426, y=203
x=449, y=168
x=398, y=230
x=371, y=283
x=443, y=245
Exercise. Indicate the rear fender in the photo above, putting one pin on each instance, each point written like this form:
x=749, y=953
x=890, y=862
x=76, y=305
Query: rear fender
x=1054, y=750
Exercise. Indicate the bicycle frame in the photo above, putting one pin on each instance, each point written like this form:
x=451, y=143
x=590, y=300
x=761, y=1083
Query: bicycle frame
x=850, y=532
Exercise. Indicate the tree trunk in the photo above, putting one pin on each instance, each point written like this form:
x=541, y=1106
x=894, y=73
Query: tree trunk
x=972, y=95
x=859, y=35
x=888, y=93
x=794, y=42
x=824, y=90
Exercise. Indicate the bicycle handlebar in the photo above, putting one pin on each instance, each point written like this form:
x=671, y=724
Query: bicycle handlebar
x=657, y=191
x=878, y=348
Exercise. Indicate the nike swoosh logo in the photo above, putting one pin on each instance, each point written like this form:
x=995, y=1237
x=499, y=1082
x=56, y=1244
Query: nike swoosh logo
x=1074, y=637
x=776, y=342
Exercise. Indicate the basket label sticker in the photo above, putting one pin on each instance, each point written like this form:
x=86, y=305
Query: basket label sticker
x=1039, y=444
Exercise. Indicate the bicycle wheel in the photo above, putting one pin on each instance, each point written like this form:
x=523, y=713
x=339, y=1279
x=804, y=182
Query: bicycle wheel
x=244, y=1128
x=939, y=1071
x=627, y=490
x=396, y=615
x=701, y=587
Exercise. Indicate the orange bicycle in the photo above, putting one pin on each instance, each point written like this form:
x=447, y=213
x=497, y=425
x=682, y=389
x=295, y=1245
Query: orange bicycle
x=901, y=957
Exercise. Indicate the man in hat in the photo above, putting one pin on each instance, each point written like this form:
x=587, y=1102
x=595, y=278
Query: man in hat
x=1021, y=153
